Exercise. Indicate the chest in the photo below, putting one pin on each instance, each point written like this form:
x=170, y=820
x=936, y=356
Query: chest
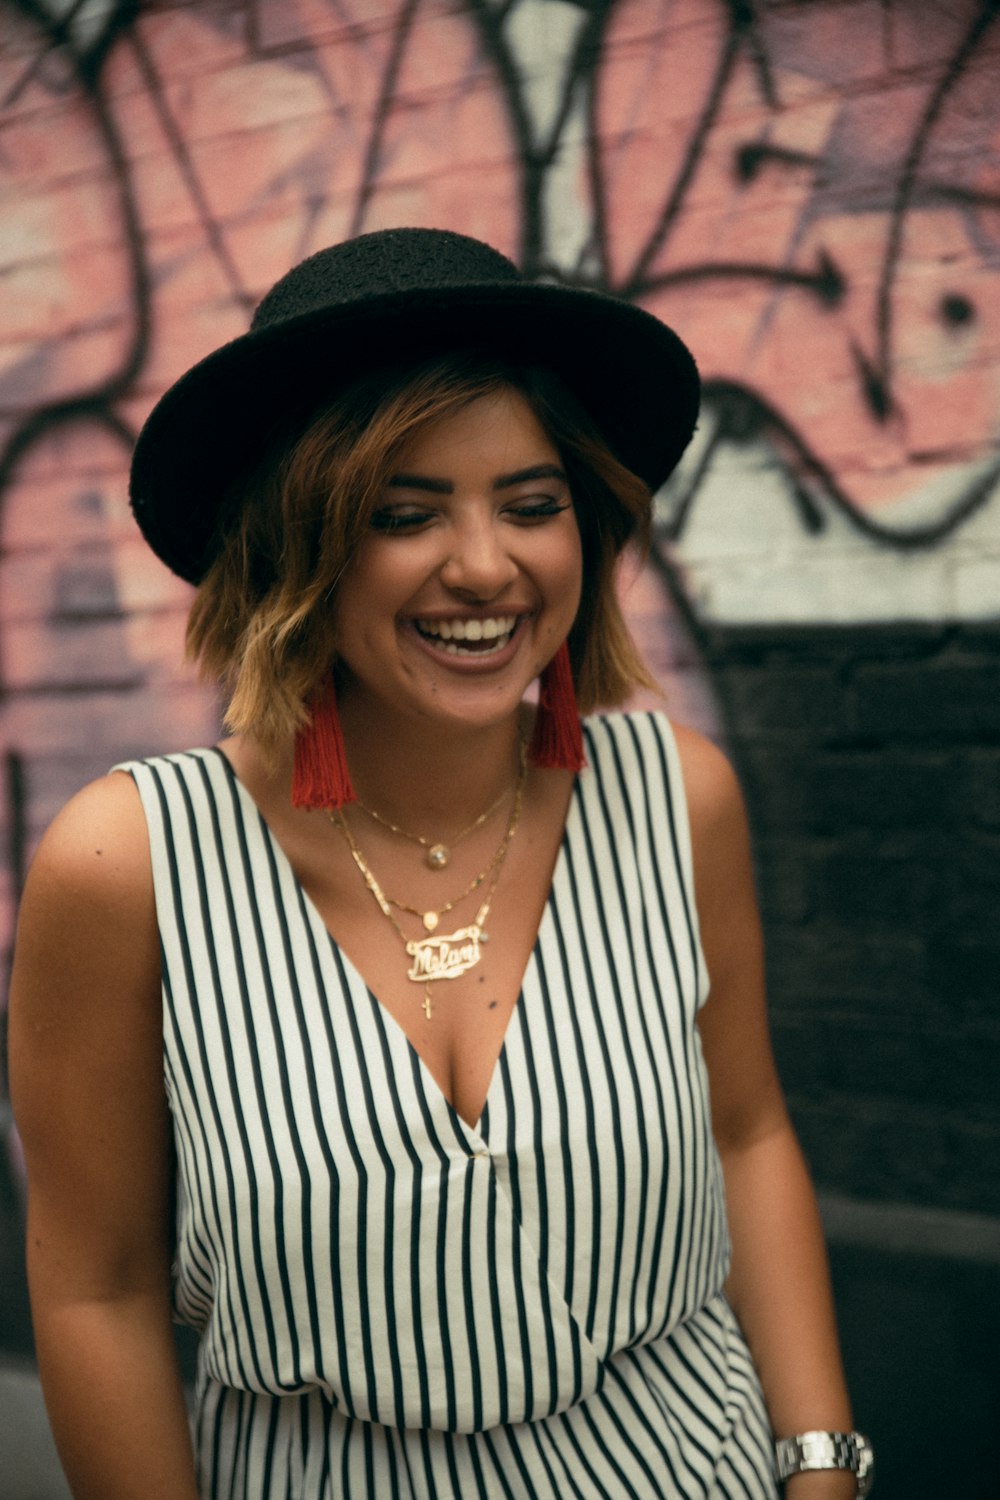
x=451, y=983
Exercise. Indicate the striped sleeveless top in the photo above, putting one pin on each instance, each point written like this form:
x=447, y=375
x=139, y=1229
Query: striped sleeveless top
x=391, y=1302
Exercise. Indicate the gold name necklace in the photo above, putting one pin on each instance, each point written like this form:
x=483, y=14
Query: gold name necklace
x=446, y=956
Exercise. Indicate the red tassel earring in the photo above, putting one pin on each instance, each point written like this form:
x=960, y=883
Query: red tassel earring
x=557, y=743
x=321, y=777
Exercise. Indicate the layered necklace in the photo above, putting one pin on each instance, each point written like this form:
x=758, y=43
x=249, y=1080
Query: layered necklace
x=439, y=956
x=437, y=855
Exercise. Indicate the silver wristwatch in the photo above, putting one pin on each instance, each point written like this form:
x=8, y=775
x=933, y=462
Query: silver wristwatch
x=827, y=1450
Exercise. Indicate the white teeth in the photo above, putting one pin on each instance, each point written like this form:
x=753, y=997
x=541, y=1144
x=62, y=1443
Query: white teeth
x=469, y=630
x=451, y=633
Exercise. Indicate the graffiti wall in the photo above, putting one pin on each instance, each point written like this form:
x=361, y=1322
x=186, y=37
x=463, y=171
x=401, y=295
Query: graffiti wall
x=809, y=190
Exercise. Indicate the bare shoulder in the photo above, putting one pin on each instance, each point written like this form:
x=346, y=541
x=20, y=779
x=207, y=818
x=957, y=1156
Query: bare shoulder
x=714, y=798
x=86, y=1051
x=97, y=848
x=87, y=933
x=746, y=1096
x=720, y=841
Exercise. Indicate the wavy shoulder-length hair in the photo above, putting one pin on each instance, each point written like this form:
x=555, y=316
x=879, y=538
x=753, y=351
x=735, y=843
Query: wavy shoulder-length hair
x=262, y=619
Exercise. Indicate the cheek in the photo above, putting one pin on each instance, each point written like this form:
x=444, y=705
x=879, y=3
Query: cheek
x=367, y=593
x=354, y=619
x=572, y=571
x=563, y=585
x=385, y=574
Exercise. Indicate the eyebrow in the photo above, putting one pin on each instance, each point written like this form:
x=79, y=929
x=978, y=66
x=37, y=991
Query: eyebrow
x=502, y=481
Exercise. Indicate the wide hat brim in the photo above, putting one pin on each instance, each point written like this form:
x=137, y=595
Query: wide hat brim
x=632, y=374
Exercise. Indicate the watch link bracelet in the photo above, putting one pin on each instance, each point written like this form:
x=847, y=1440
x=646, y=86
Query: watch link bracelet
x=827, y=1450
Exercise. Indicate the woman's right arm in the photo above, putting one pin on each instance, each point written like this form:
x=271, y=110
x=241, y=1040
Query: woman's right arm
x=86, y=1060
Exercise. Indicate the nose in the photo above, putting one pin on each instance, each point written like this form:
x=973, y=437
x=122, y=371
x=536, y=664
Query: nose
x=479, y=565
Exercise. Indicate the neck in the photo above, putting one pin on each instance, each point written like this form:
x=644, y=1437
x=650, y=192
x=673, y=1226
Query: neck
x=426, y=778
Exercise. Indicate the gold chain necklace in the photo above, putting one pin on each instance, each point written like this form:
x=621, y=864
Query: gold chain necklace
x=445, y=957
x=437, y=854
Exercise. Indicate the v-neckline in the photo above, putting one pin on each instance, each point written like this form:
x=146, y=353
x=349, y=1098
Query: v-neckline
x=394, y=1025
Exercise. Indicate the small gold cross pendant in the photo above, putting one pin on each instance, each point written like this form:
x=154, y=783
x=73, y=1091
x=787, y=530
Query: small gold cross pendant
x=426, y=1003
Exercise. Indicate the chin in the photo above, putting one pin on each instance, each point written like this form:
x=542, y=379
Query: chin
x=473, y=717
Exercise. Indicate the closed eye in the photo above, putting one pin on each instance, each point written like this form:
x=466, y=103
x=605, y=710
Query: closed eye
x=538, y=510
x=394, y=518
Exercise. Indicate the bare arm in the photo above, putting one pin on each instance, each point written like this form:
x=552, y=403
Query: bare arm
x=779, y=1285
x=87, y=1086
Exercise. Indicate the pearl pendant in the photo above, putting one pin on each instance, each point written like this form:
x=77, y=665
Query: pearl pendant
x=438, y=856
x=430, y=919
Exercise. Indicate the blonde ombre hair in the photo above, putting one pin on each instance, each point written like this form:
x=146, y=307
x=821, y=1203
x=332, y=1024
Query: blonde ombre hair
x=262, y=619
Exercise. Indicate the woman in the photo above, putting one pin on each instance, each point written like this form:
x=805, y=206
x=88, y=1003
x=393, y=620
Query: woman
x=449, y=1216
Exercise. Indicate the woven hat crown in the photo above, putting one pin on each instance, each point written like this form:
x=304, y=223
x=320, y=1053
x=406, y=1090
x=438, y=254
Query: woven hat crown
x=381, y=263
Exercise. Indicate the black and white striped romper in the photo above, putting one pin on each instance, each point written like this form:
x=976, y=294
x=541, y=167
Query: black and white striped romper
x=391, y=1302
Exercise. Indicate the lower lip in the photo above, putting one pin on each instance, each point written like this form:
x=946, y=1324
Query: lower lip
x=473, y=661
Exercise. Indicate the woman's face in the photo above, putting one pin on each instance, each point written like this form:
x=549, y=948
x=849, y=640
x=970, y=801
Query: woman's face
x=469, y=576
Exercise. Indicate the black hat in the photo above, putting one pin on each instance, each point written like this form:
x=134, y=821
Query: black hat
x=367, y=302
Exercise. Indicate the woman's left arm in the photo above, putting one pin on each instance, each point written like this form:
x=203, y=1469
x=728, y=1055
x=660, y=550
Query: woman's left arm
x=779, y=1285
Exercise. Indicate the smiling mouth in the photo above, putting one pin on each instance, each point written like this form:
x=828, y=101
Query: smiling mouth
x=468, y=637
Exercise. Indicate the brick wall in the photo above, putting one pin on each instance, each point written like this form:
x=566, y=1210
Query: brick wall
x=871, y=759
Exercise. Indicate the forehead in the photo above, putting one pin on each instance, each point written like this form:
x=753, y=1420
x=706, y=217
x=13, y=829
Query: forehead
x=492, y=434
